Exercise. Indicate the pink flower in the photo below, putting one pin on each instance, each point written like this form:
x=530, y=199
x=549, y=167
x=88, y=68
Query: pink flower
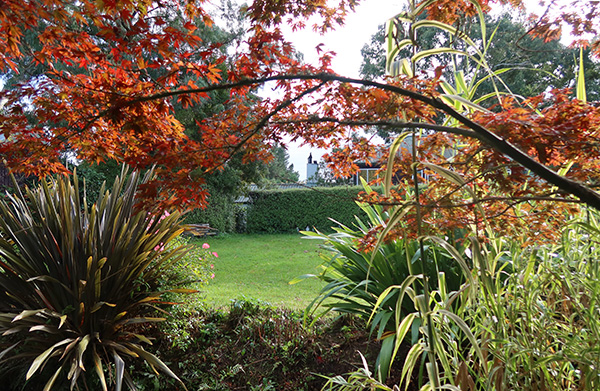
x=166, y=214
x=205, y=245
x=212, y=266
x=216, y=255
x=212, y=275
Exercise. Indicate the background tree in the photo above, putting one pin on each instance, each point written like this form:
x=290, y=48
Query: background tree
x=533, y=66
x=226, y=183
x=279, y=170
x=373, y=56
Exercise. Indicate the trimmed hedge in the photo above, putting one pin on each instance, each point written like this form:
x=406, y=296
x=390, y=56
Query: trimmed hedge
x=289, y=210
x=219, y=214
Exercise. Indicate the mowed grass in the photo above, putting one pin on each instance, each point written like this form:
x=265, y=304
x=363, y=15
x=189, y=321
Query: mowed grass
x=260, y=267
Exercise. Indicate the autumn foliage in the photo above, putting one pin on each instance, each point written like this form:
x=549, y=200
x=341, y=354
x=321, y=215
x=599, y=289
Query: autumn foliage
x=112, y=71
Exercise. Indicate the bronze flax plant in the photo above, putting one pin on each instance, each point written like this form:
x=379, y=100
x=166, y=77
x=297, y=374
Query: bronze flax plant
x=78, y=283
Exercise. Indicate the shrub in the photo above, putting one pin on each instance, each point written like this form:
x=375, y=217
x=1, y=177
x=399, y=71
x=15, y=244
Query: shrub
x=220, y=213
x=286, y=211
x=195, y=269
x=548, y=329
x=527, y=319
x=252, y=345
x=76, y=282
x=360, y=282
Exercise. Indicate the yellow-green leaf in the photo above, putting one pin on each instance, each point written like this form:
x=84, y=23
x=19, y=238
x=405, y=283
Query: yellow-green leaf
x=581, y=93
x=41, y=359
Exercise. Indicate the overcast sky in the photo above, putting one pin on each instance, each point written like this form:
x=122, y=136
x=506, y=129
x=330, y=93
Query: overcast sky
x=346, y=41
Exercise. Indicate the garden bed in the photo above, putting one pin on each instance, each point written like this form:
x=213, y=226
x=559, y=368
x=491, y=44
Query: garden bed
x=251, y=347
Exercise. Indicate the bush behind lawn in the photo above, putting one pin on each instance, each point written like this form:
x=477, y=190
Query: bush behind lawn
x=287, y=211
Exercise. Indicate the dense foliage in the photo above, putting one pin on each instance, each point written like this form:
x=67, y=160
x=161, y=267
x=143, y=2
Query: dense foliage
x=526, y=318
x=359, y=282
x=77, y=283
x=279, y=170
x=291, y=210
x=253, y=346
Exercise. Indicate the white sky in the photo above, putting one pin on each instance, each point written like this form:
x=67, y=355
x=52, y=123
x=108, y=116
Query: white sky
x=346, y=41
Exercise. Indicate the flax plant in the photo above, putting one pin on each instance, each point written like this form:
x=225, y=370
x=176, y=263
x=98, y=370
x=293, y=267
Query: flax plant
x=78, y=283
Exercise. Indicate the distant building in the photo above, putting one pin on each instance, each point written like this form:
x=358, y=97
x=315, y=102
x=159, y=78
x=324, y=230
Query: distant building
x=311, y=171
x=367, y=172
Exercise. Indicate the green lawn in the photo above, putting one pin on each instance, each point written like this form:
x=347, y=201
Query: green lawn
x=261, y=267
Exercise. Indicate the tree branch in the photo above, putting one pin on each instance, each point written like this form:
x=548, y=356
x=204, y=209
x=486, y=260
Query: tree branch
x=584, y=193
x=264, y=121
x=387, y=123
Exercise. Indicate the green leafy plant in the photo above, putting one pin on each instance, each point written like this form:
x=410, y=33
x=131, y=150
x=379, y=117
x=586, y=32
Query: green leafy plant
x=195, y=269
x=525, y=319
x=359, y=282
x=77, y=281
x=548, y=330
x=192, y=271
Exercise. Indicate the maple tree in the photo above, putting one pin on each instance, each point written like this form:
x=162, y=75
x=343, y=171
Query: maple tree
x=112, y=71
